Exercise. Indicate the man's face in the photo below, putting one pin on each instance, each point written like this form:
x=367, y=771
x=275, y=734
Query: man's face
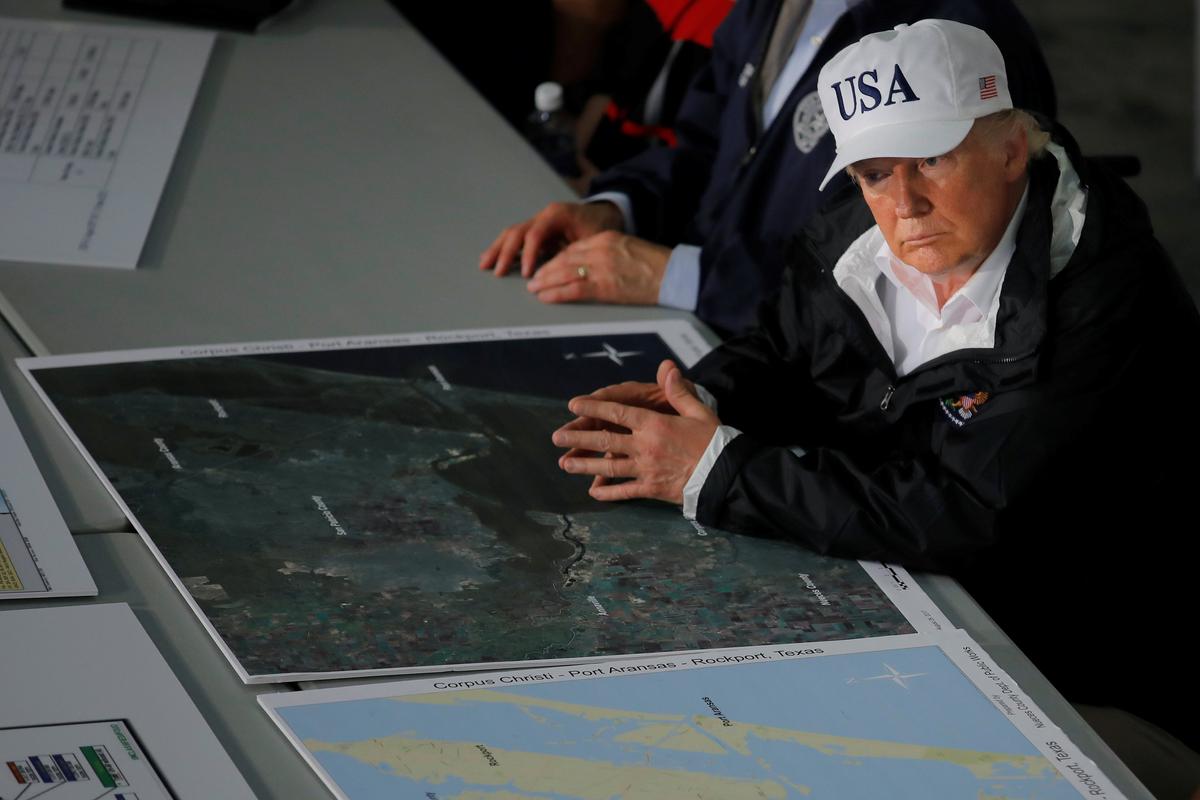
x=944, y=215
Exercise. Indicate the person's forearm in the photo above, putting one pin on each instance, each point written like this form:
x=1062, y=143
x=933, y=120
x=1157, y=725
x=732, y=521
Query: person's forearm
x=910, y=510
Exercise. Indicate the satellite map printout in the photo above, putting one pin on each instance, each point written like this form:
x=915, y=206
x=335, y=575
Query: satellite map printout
x=390, y=505
x=841, y=720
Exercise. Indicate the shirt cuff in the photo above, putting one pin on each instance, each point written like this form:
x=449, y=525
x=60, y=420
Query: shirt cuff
x=681, y=282
x=721, y=437
x=623, y=204
x=706, y=397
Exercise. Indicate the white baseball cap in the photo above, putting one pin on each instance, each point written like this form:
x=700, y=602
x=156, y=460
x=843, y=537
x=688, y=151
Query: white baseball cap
x=911, y=92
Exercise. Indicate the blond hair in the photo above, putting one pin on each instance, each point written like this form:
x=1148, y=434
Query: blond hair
x=1000, y=125
x=997, y=127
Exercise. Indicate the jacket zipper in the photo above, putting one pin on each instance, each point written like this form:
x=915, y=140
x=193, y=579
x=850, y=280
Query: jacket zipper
x=1004, y=360
x=748, y=156
x=886, y=401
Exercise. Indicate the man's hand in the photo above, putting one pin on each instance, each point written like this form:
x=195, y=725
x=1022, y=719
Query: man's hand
x=656, y=452
x=609, y=267
x=651, y=396
x=630, y=393
x=555, y=223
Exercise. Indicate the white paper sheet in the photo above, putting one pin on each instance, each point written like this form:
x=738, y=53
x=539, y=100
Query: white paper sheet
x=90, y=118
x=926, y=717
x=68, y=665
x=38, y=558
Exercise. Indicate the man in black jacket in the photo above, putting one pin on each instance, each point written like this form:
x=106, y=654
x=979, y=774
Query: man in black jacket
x=980, y=363
x=702, y=225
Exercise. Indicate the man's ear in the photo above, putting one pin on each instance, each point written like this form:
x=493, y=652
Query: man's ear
x=1016, y=153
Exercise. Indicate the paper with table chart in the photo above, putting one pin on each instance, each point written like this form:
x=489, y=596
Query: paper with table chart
x=381, y=505
x=38, y=558
x=861, y=719
x=90, y=118
x=83, y=761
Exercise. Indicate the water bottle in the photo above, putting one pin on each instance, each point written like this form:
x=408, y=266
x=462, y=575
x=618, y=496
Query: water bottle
x=550, y=131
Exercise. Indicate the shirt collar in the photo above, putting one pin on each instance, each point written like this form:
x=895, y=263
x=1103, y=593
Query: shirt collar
x=981, y=288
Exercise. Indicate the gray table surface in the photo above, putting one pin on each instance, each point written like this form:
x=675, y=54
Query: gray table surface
x=337, y=178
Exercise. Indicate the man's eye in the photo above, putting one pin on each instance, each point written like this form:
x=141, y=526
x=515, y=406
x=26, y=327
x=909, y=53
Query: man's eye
x=933, y=161
x=871, y=177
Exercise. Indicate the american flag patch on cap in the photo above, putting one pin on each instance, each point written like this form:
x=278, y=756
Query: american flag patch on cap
x=987, y=87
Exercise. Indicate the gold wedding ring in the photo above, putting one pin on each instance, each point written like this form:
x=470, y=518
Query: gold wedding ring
x=582, y=271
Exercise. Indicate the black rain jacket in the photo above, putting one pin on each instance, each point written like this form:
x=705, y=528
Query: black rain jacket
x=1061, y=504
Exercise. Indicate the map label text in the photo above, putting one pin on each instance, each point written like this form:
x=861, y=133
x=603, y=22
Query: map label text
x=717, y=712
x=167, y=454
x=812, y=587
x=736, y=659
x=440, y=378
x=487, y=754
x=325, y=512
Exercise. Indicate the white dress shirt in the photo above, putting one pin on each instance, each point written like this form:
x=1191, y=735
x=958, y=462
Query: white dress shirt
x=900, y=305
x=903, y=310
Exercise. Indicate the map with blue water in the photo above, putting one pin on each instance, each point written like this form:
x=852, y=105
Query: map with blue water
x=776, y=722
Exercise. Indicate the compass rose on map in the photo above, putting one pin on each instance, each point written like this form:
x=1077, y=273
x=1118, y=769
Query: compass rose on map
x=608, y=351
x=894, y=675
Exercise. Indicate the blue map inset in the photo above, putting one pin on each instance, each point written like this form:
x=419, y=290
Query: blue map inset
x=902, y=723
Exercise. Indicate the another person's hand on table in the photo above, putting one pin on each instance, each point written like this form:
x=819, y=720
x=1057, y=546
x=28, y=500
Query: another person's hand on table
x=609, y=267
x=554, y=224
